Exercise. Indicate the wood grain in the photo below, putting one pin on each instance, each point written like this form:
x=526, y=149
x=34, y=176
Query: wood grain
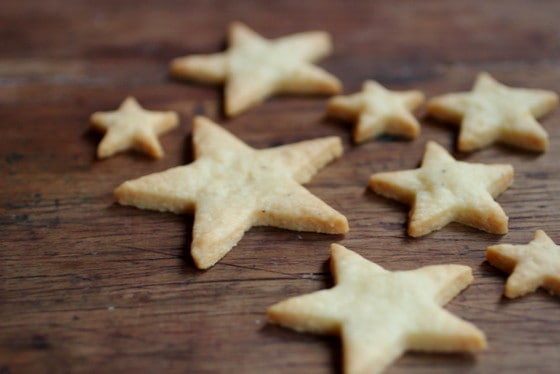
x=88, y=286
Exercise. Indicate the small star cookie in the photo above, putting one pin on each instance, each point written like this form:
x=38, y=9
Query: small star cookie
x=231, y=187
x=254, y=68
x=534, y=265
x=494, y=112
x=378, y=111
x=444, y=190
x=380, y=314
x=131, y=126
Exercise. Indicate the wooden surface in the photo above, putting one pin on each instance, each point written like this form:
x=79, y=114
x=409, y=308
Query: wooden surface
x=87, y=286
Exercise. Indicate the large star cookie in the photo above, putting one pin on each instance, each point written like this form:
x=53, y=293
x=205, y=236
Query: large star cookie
x=132, y=126
x=378, y=111
x=444, y=190
x=254, y=68
x=381, y=314
x=534, y=265
x=494, y=112
x=231, y=187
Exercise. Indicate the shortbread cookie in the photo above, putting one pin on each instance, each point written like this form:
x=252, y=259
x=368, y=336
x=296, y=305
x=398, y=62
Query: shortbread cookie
x=444, y=190
x=132, y=127
x=534, y=265
x=493, y=112
x=376, y=111
x=231, y=187
x=381, y=314
x=254, y=68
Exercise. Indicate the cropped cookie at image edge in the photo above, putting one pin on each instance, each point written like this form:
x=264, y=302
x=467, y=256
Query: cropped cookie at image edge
x=533, y=265
x=381, y=314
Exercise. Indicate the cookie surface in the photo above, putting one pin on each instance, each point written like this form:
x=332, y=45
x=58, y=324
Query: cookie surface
x=254, y=68
x=533, y=265
x=493, y=112
x=381, y=314
x=132, y=127
x=376, y=111
x=231, y=187
x=444, y=190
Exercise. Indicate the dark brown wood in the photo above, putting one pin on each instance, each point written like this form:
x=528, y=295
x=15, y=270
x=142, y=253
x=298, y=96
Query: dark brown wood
x=87, y=286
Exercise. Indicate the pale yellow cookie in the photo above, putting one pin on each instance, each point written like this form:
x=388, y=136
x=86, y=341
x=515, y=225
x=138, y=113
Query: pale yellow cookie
x=444, y=190
x=534, y=265
x=376, y=111
x=231, y=187
x=254, y=68
x=493, y=112
x=132, y=127
x=380, y=314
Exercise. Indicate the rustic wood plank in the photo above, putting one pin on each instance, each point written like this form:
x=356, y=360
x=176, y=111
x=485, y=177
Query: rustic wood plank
x=89, y=286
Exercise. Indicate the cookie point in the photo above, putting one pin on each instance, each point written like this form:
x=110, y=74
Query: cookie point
x=335, y=247
x=103, y=151
x=433, y=144
x=201, y=121
x=333, y=86
x=119, y=192
x=342, y=226
x=237, y=25
x=173, y=118
x=235, y=105
x=483, y=74
x=478, y=342
x=201, y=265
x=540, y=234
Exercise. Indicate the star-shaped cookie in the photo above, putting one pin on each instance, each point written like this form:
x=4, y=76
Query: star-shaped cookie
x=534, y=265
x=493, y=112
x=381, y=314
x=231, y=187
x=376, y=111
x=132, y=127
x=444, y=190
x=254, y=68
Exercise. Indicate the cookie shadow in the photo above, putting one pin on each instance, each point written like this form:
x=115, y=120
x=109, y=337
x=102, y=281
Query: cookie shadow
x=330, y=343
x=390, y=208
x=92, y=138
x=187, y=262
x=454, y=360
x=188, y=149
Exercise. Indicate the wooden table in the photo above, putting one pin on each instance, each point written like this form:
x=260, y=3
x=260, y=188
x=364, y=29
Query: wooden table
x=88, y=286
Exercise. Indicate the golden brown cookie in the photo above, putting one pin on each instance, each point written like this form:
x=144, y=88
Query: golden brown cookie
x=376, y=111
x=132, y=127
x=534, y=265
x=254, y=68
x=381, y=314
x=444, y=190
x=493, y=112
x=231, y=187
